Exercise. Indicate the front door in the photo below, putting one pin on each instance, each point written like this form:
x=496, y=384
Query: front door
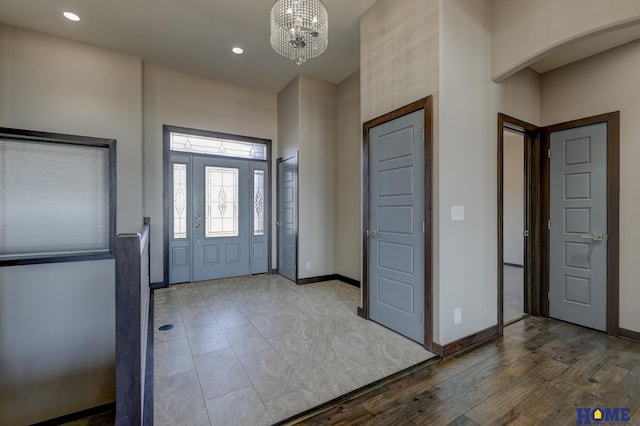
x=287, y=217
x=396, y=221
x=578, y=226
x=221, y=218
x=219, y=227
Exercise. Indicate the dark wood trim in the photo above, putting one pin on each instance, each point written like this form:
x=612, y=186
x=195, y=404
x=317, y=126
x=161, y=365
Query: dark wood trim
x=330, y=277
x=32, y=136
x=531, y=135
x=613, y=212
x=466, y=343
x=291, y=156
x=68, y=418
x=166, y=181
x=629, y=334
x=319, y=279
x=159, y=285
x=132, y=297
x=425, y=104
x=348, y=280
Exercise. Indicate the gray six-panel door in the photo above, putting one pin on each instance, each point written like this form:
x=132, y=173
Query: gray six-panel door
x=287, y=217
x=578, y=226
x=396, y=216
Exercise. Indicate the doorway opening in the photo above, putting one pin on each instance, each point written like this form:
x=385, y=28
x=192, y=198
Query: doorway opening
x=216, y=205
x=570, y=233
x=518, y=219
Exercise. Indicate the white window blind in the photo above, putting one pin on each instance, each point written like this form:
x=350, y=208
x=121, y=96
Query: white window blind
x=54, y=199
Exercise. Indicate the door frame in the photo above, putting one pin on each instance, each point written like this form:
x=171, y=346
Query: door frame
x=167, y=192
x=294, y=155
x=538, y=214
x=427, y=105
x=613, y=212
x=532, y=154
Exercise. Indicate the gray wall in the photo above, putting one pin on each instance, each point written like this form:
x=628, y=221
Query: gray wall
x=57, y=336
x=317, y=177
x=349, y=179
x=184, y=100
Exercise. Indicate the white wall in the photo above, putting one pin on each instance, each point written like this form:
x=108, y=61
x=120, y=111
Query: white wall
x=317, y=177
x=604, y=83
x=289, y=118
x=57, y=321
x=399, y=48
x=183, y=100
x=525, y=30
x=349, y=179
x=468, y=171
x=513, y=198
x=469, y=103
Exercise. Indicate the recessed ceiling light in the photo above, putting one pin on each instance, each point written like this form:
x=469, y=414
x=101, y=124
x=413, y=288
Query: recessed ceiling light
x=71, y=16
x=237, y=50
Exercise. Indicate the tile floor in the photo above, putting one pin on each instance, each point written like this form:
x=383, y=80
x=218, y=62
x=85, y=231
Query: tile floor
x=257, y=350
x=513, y=294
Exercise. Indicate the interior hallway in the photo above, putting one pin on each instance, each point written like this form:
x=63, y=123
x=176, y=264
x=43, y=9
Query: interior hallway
x=257, y=350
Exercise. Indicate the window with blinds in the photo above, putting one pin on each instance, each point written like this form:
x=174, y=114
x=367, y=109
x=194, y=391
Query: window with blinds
x=56, y=195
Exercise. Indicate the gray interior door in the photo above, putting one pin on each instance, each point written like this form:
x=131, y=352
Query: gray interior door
x=221, y=213
x=259, y=226
x=396, y=215
x=287, y=217
x=578, y=228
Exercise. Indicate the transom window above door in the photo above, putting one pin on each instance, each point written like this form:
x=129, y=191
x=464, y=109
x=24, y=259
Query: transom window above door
x=208, y=145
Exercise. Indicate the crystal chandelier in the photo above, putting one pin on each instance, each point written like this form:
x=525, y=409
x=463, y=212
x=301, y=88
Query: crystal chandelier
x=299, y=29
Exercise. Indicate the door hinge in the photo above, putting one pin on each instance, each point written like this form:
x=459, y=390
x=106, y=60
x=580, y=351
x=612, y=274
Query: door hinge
x=423, y=134
x=549, y=153
x=423, y=226
x=549, y=225
x=525, y=233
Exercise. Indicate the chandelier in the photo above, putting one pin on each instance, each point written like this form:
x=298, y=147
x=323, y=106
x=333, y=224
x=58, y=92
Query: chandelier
x=299, y=29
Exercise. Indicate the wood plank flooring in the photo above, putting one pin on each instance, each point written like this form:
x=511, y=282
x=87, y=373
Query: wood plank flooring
x=537, y=374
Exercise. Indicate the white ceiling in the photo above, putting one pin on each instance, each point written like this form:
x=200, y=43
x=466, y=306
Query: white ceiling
x=196, y=36
x=592, y=45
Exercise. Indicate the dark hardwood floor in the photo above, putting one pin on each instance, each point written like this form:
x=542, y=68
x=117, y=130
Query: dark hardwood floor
x=537, y=374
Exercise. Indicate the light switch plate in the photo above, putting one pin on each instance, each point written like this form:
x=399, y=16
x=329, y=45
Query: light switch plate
x=457, y=213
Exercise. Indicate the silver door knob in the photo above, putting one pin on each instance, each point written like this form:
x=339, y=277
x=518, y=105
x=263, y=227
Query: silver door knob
x=593, y=237
x=372, y=234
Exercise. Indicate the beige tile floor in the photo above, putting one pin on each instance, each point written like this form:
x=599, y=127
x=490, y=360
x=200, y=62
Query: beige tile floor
x=513, y=294
x=257, y=350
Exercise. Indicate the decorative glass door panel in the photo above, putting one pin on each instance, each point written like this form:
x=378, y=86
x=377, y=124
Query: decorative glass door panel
x=221, y=218
x=221, y=205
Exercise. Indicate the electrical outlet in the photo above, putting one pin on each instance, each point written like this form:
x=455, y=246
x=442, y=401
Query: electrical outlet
x=457, y=213
x=308, y=265
x=457, y=316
